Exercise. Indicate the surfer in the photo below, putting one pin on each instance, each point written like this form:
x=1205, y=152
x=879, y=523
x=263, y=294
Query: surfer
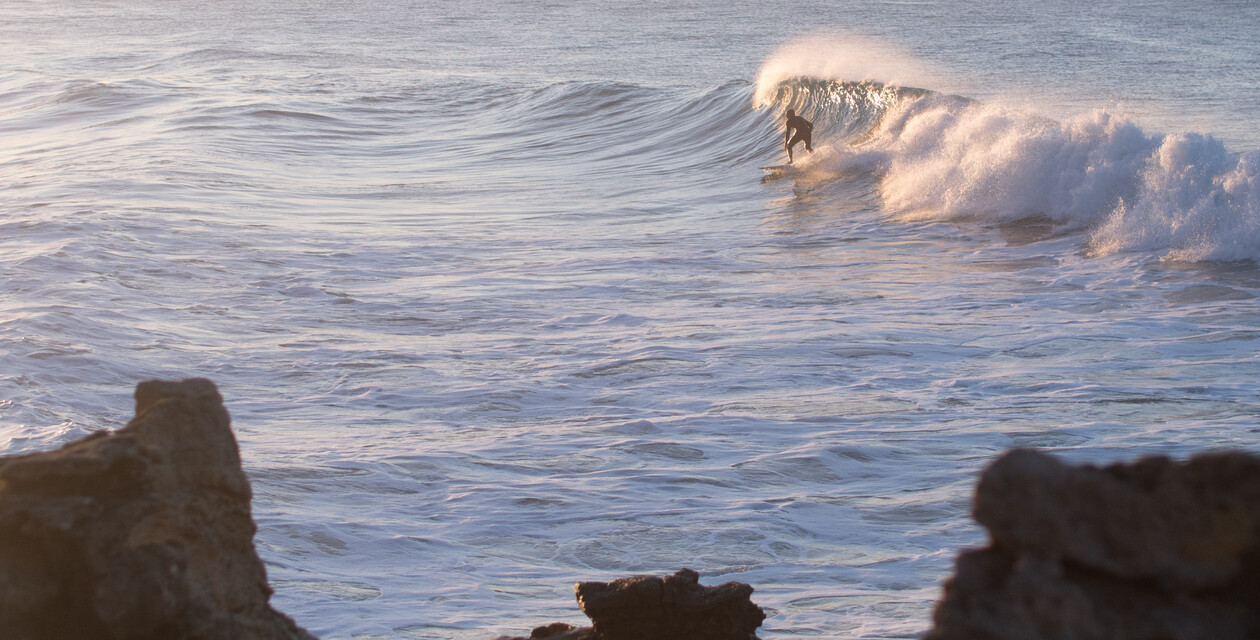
x=804, y=133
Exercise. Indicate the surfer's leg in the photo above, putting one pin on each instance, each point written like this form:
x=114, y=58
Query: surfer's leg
x=792, y=143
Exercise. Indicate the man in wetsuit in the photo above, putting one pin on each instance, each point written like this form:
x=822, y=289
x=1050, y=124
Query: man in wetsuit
x=804, y=133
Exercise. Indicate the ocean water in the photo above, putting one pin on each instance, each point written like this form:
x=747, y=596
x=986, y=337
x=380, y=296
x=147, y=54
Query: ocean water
x=500, y=298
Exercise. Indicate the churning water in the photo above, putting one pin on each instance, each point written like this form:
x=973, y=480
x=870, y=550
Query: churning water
x=500, y=298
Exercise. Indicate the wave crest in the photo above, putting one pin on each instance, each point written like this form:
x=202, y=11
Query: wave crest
x=842, y=58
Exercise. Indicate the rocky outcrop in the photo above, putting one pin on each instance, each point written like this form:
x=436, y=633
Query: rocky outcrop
x=144, y=533
x=675, y=607
x=1155, y=550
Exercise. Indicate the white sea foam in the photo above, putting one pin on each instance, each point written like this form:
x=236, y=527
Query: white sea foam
x=1183, y=196
x=1196, y=202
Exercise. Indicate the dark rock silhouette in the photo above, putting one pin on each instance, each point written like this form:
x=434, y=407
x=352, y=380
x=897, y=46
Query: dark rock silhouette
x=675, y=607
x=1154, y=550
x=144, y=533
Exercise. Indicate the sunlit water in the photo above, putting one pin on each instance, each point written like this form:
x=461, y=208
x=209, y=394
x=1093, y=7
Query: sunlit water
x=500, y=298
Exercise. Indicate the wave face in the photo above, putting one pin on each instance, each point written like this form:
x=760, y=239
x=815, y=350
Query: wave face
x=626, y=125
x=943, y=157
x=840, y=110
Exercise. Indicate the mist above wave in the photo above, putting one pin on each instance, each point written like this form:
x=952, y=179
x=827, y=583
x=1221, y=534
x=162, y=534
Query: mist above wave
x=842, y=57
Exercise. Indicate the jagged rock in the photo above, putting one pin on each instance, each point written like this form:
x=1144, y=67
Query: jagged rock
x=1155, y=550
x=676, y=607
x=144, y=533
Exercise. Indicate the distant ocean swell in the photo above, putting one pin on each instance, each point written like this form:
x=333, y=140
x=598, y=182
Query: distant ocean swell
x=1183, y=196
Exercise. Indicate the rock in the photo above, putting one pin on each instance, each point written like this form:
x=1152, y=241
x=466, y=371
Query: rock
x=561, y=631
x=1154, y=550
x=676, y=607
x=144, y=533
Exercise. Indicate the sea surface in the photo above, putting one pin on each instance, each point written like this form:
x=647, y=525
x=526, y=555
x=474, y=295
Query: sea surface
x=500, y=297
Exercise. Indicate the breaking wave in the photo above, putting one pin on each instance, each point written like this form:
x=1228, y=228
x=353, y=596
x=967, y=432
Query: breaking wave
x=943, y=157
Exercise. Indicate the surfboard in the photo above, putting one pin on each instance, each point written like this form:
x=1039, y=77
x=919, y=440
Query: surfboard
x=775, y=171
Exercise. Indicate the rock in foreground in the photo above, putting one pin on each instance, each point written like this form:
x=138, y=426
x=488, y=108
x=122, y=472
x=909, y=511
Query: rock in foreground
x=1155, y=550
x=144, y=533
x=676, y=607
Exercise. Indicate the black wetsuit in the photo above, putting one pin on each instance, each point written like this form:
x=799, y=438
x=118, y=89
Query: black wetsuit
x=804, y=133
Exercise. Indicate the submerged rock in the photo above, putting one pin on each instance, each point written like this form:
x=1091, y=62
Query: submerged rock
x=144, y=533
x=1155, y=550
x=675, y=607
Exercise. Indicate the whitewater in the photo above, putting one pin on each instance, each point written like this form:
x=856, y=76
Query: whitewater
x=500, y=298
